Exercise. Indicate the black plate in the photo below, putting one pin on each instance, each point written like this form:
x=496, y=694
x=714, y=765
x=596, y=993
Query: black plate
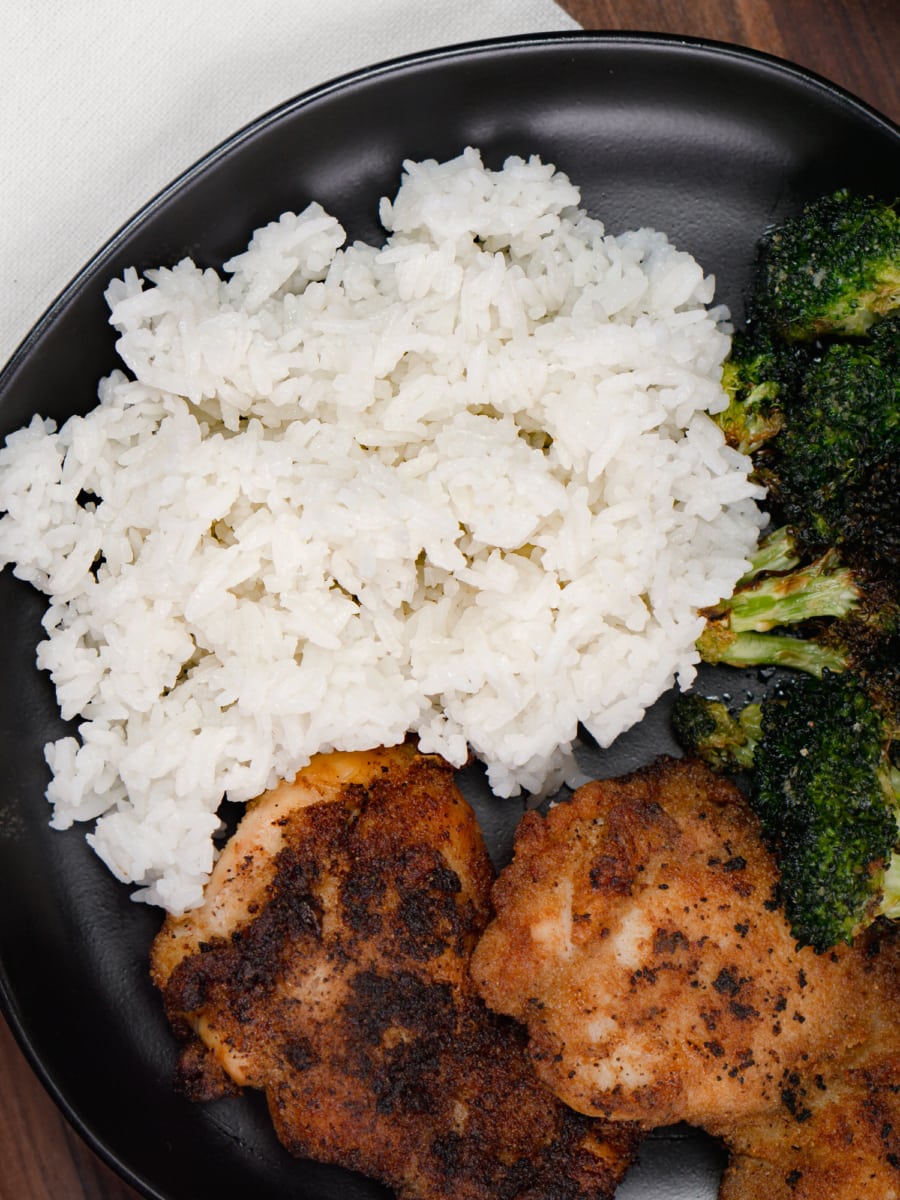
x=706, y=142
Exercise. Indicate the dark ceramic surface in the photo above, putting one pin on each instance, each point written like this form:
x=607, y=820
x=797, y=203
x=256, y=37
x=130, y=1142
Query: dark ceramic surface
x=707, y=142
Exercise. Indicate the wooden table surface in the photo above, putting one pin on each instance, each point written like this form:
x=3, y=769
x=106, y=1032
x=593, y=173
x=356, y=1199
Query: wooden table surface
x=854, y=43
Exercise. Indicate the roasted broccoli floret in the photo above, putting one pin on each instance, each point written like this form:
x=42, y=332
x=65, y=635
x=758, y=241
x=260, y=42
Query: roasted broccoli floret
x=862, y=613
x=720, y=645
x=824, y=588
x=824, y=788
x=760, y=377
x=833, y=467
x=833, y=474
x=832, y=269
x=814, y=397
x=706, y=729
x=752, y=380
x=828, y=799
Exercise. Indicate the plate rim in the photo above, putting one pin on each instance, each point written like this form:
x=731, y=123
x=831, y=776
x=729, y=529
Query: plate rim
x=582, y=39
x=598, y=39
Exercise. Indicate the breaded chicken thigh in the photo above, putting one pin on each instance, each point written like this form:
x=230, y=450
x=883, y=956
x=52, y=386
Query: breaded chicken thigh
x=834, y=1136
x=329, y=966
x=639, y=937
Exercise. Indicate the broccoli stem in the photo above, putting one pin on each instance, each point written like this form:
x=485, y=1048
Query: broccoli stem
x=819, y=590
x=718, y=643
x=777, y=551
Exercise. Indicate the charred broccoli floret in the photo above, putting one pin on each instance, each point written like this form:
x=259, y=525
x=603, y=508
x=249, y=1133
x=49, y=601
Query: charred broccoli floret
x=833, y=474
x=752, y=380
x=872, y=519
x=760, y=377
x=706, y=729
x=742, y=631
x=841, y=435
x=832, y=269
x=825, y=791
x=814, y=397
x=828, y=800
x=824, y=588
x=720, y=645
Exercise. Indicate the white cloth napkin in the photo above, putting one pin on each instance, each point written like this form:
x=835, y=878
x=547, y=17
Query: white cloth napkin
x=104, y=103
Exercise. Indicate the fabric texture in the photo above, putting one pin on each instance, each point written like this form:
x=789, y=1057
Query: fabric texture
x=104, y=104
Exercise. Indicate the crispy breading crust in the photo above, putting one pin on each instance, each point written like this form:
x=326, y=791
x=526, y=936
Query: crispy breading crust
x=329, y=967
x=835, y=1135
x=639, y=937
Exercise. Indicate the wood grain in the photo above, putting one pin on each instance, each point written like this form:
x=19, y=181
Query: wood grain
x=854, y=43
x=41, y=1156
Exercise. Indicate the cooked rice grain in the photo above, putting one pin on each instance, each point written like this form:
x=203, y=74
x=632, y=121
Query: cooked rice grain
x=463, y=484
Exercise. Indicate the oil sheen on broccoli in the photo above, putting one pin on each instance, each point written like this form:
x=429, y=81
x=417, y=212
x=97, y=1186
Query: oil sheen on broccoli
x=825, y=790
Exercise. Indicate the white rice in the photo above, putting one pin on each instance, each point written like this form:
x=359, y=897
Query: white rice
x=462, y=484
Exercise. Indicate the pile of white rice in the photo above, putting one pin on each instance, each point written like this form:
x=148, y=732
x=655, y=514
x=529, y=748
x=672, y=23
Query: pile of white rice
x=463, y=483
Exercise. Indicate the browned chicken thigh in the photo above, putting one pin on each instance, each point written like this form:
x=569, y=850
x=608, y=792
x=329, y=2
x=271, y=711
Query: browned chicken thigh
x=639, y=938
x=834, y=1136
x=329, y=966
